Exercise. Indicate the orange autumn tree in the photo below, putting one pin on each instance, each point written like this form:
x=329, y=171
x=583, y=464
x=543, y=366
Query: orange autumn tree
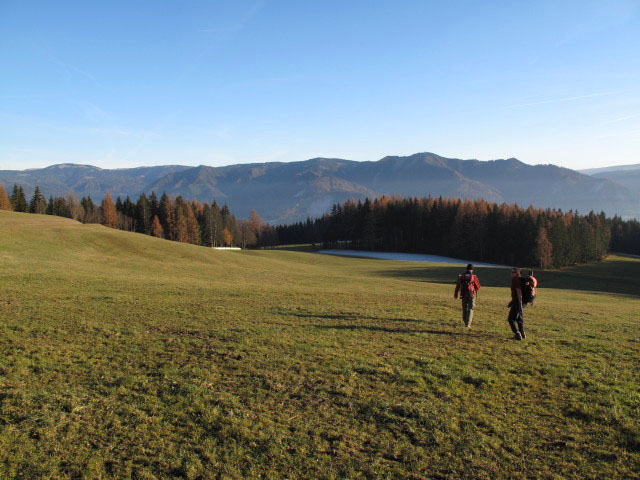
x=227, y=237
x=109, y=214
x=156, y=228
x=5, y=204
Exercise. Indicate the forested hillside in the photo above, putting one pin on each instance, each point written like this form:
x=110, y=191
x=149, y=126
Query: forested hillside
x=477, y=230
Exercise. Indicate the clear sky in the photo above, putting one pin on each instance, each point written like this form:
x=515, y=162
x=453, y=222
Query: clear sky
x=131, y=83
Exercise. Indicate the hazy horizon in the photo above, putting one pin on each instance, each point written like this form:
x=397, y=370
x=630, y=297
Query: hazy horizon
x=123, y=85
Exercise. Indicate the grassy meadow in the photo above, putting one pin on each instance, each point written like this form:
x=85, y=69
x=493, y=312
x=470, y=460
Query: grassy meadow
x=126, y=356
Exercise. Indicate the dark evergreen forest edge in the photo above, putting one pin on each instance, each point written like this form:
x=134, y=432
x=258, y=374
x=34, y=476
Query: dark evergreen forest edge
x=477, y=229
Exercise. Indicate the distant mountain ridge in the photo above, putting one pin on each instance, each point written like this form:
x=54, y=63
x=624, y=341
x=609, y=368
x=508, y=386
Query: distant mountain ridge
x=627, y=175
x=285, y=192
x=614, y=168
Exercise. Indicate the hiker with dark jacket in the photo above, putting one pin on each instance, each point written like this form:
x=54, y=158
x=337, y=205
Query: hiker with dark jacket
x=467, y=284
x=516, y=317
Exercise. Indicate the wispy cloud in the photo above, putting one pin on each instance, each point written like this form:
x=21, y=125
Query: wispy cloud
x=69, y=68
x=561, y=100
x=621, y=119
x=629, y=134
x=113, y=132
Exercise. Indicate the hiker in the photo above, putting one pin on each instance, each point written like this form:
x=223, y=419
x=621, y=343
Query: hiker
x=516, y=317
x=467, y=284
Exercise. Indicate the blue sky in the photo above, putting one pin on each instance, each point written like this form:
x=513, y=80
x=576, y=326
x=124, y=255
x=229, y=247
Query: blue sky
x=123, y=84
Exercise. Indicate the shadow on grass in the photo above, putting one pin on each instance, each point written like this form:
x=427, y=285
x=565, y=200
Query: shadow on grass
x=305, y=247
x=350, y=317
x=619, y=276
x=398, y=330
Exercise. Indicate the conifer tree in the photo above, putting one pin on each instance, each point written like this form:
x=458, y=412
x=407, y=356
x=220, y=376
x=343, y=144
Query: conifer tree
x=5, y=203
x=181, y=230
x=38, y=203
x=50, y=205
x=109, y=213
x=167, y=216
x=154, y=205
x=129, y=208
x=89, y=210
x=60, y=207
x=143, y=214
x=192, y=229
x=18, y=200
x=156, y=228
x=544, y=249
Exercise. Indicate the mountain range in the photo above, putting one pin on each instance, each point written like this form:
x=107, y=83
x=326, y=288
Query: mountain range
x=627, y=175
x=287, y=192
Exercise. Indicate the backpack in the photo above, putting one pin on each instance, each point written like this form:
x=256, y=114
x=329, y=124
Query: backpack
x=528, y=290
x=467, y=286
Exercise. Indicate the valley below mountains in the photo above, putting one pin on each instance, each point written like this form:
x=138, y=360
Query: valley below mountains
x=288, y=192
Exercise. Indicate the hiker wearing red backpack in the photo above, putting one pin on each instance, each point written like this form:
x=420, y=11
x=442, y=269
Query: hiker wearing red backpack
x=516, y=316
x=467, y=284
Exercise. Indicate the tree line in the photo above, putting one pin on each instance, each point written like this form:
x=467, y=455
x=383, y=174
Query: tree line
x=477, y=230
x=169, y=217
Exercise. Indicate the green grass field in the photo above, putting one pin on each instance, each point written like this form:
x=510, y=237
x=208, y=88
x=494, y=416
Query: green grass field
x=125, y=356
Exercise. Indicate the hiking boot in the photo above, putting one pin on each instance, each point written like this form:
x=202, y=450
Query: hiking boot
x=517, y=336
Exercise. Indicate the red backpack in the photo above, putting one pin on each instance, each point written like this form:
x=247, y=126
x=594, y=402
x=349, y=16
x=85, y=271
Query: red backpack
x=528, y=285
x=467, y=285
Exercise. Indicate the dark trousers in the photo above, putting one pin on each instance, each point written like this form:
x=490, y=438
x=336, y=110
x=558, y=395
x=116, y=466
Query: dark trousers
x=516, y=319
x=468, y=304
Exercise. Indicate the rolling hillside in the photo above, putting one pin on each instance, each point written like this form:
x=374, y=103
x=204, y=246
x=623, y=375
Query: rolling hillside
x=125, y=356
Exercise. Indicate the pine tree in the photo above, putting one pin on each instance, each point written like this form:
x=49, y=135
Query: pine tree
x=154, y=205
x=38, y=203
x=167, y=216
x=143, y=214
x=109, y=213
x=18, y=200
x=60, y=208
x=89, y=210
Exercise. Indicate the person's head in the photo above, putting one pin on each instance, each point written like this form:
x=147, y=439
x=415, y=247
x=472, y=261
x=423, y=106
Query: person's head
x=470, y=268
x=515, y=272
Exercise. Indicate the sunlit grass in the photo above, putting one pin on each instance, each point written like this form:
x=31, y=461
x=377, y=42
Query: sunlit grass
x=125, y=356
